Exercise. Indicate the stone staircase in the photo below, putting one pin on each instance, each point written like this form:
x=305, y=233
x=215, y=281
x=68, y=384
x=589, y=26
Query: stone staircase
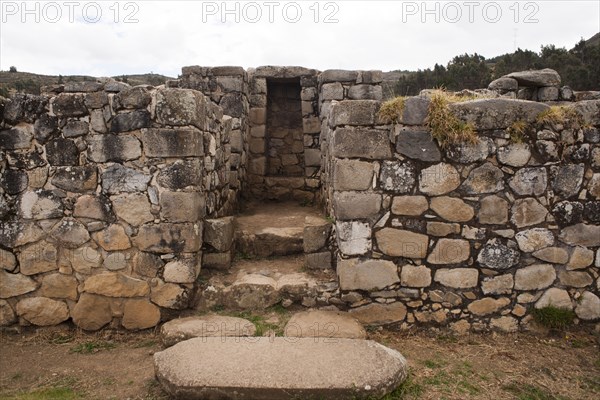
x=281, y=255
x=270, y=265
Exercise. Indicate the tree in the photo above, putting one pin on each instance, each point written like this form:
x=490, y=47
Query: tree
x=468, y=72
x=12, y=69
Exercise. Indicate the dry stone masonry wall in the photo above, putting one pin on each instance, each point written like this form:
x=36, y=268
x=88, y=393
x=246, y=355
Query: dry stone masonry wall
x=471, y=235
x=112, y=198
x=105, y=189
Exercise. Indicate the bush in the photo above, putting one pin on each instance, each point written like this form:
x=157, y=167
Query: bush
x=12, y=69
x=553, y=317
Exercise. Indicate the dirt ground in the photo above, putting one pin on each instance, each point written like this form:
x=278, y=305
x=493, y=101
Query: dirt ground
x=63, y=363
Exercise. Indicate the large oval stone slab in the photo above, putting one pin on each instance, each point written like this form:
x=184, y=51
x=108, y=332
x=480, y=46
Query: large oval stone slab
x=180, y=329
x=278, y=368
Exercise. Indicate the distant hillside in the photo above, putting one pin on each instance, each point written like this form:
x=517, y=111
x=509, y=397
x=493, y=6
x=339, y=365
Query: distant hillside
x=26, y=82
x=594, y=40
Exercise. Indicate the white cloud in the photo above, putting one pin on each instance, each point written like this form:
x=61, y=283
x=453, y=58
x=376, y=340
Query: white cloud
x=368, y=34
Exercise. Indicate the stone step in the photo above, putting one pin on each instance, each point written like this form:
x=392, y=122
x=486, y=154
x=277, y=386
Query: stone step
x=259, y=284
x=271, y=229
x=279, y=368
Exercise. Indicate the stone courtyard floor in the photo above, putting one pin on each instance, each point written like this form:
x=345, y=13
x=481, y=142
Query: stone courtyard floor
x=62, y=363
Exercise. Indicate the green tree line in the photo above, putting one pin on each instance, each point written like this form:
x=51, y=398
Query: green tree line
x=579, y=68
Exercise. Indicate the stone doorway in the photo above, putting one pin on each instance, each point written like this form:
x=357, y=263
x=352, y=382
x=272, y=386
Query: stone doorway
x=284, y=130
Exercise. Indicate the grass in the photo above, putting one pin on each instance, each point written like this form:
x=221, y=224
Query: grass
x=530, y=392
x=553, y=318
x=566, y=116
x=93, y=346
x=58, y=393
x=446, y=127
x=409, y=389
x=391, y=110
x=518, y=131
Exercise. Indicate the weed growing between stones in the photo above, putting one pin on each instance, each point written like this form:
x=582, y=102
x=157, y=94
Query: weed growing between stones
x=391, y=110
x=445, y=127
x=553, y=317
x=562, y=116
x=519, y=131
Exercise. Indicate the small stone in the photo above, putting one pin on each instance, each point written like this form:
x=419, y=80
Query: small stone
x=417, y=144
x=83, y=260
x=353, y=175
x=452, y=209
x=324, y=324
x=529, y=181
x=485, y=179
x=534, y=239
x=535, y=277
x=76, y=179
x=117, y=179
x=449, y=251
x=140, y=314
x=367, y=275
x=555, y=297
x=493, y=210
x=505, y=324
x=379, y=314
x=501, y=284
x=8, y=261
x=438, y=179
x=12, y=285
x=318, y=261
x=398, y=177
x=112, y=238
x=93, y=207
x=180, y=329
x=458, y=278
x=568, y=213
x=554, y=255
x=496, y=255
x=514, y=155
x=581, y=235
x=42, y=311
x=59, y=286
x=415, y=276
x=167, y=238
x=182, y=271
x=409, y=205
x=402, y=243
x=354, y=237
x=526, y=212
x=40, y=204
x=169, y=295
x=115, y=284
x=133, y=208
x=576, y=279
x=7, y=315
x=467, y=153
x=580, y=258
x=70, y=233
x=567, y=180
x=219, y=233
x=441, y=229
x=219, y=261
x=488, y=306
x=37, y=258
x=438, y=316
x=461, y=327
x=356, y=205
x=588, y=306
x=92, y=312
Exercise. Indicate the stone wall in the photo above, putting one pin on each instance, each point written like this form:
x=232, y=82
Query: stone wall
x=104, y=193
x=472, y=235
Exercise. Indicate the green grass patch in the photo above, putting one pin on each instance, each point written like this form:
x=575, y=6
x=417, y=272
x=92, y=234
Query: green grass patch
x=446, y=127
x=391, y=110
x=58, y=393
x=553, y=318
x=93, y=346
x=408, y=390
x=262, y=326
x=530, y=392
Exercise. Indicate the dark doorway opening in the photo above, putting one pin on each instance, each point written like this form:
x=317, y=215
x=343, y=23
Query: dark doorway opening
x=284, y=134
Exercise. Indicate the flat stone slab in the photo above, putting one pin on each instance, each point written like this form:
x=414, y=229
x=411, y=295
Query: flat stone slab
x=324, y=324
x=279, y=368
x=181, y=329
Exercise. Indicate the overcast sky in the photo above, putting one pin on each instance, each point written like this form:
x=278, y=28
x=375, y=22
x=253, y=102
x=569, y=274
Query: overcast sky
x=106, y=38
